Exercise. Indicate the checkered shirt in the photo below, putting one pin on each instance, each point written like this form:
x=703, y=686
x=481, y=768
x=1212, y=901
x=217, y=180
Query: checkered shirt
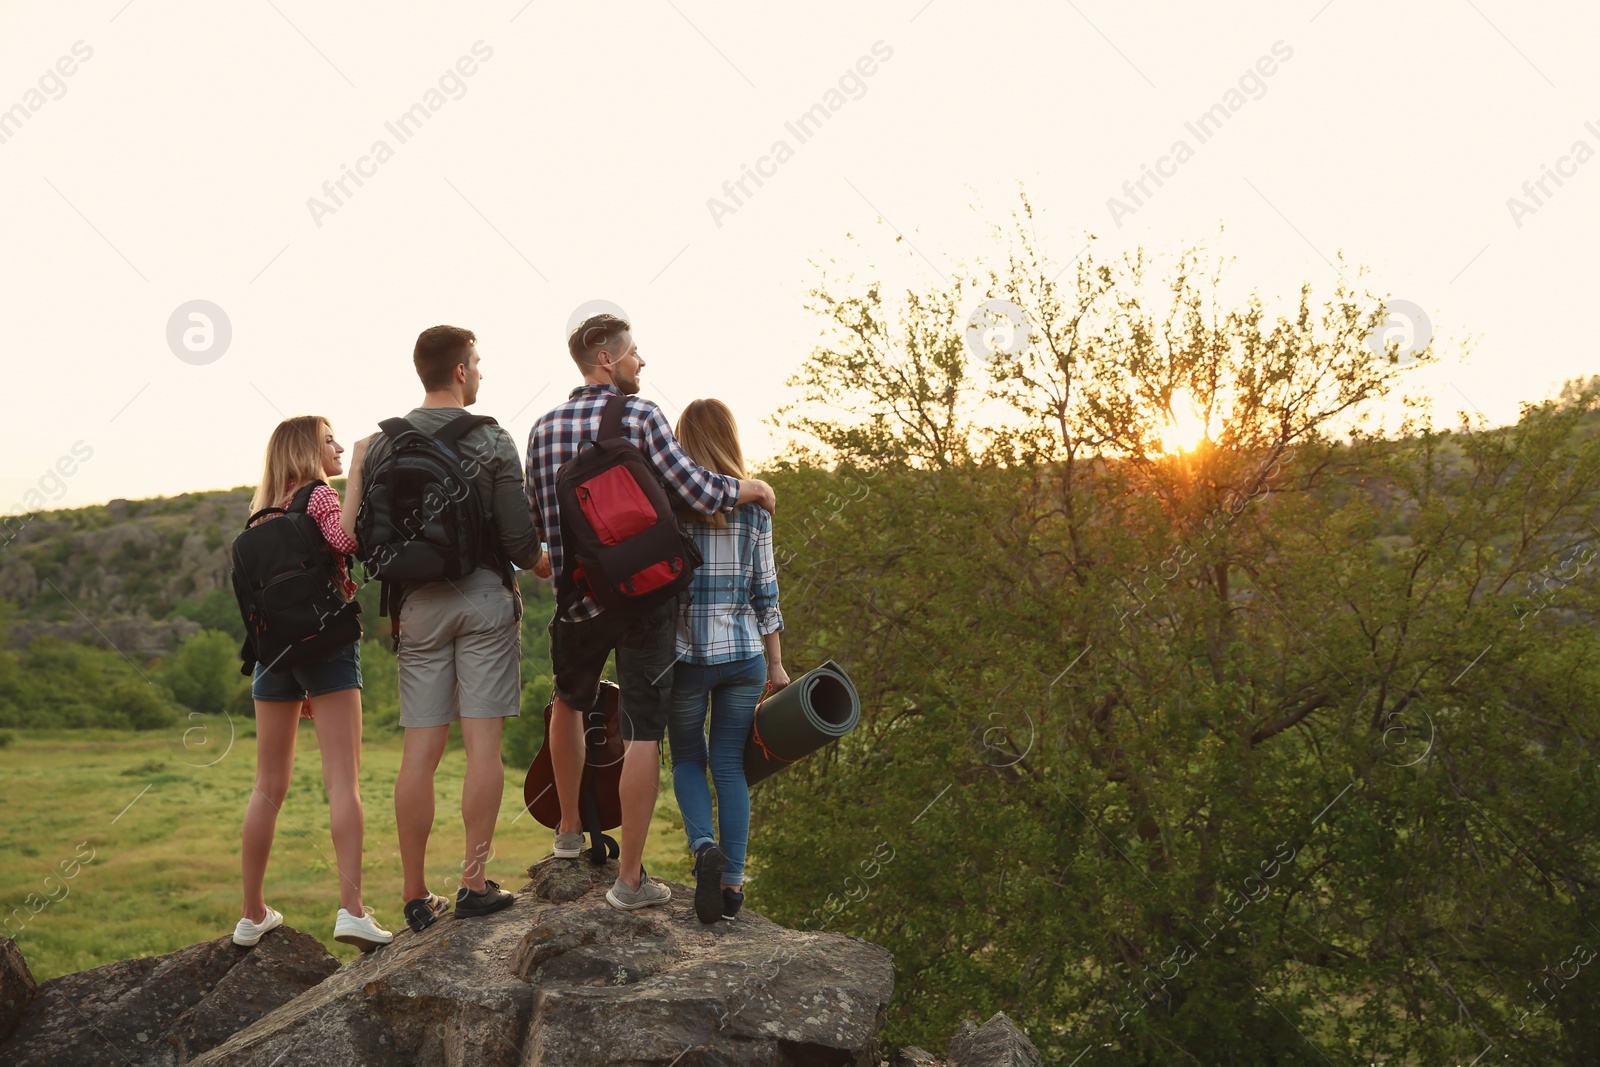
x=735, y=590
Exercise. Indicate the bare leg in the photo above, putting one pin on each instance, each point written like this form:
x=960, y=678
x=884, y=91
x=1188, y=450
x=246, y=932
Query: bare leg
x=277, y=726
x=641, y=777
x=566, y=762
x=338, y=720
x=413, y=804
x=480, y=795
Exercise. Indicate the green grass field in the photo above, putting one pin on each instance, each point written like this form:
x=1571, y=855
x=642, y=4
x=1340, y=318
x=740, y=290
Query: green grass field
x=162, y=813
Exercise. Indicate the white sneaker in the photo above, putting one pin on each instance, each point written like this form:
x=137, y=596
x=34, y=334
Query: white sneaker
x=360, y=930
x=247, y=933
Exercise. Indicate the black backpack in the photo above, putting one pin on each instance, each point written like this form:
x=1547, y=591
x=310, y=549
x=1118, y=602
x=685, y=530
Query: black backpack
x=421, y=519
x=286, y=580
x=621, y=540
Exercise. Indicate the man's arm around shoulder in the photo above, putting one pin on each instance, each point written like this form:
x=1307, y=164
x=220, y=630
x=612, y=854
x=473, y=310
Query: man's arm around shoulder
x=697, y=487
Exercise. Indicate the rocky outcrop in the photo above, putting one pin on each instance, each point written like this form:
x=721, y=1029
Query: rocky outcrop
x=139, y=636
x=19, y=583
x=164, y=1010
x=561, y=978
x=997, y=1043
x=118, y=565
x=16, y=986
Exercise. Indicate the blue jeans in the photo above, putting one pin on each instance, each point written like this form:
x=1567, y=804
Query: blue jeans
x=734, y=690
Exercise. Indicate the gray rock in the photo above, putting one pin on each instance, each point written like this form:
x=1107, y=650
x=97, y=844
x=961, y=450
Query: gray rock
x=562, y=978
x=997, y=1043
x=912, y=1056
x=138, y=636
x=165, y=1010
x=19, y=583
x=16, y=986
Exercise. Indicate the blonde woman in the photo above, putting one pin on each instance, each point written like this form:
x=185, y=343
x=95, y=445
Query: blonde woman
x=728, y=654
x=301, y=451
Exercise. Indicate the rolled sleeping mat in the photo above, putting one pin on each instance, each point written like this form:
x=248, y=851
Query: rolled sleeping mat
x=818, y=707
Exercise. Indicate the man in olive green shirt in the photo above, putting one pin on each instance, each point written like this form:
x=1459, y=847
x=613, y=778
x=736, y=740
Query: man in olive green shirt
x=460, y=642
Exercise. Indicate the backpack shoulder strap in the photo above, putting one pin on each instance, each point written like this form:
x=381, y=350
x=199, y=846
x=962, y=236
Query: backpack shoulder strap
x=251, y=521
x=394, y=429
x=450, y=436
x=460, y=426
x=611, y=421
x=302, y=498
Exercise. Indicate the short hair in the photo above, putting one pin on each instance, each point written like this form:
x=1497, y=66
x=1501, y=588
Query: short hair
x=440, y=349
x=593, y=334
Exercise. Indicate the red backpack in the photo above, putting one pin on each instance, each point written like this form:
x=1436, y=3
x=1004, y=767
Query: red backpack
x=621, y=541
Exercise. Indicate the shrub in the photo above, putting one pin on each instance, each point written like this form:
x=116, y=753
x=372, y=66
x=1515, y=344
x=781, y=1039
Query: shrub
x=241, y=705
x=216, y=610
x=141, y=704
x=202, y=673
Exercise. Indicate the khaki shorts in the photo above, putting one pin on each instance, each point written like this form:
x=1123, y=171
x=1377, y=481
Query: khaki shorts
x=460, y=651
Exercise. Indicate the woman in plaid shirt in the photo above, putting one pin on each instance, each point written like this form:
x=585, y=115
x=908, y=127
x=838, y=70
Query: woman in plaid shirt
x=303, y=450
x=728, y=653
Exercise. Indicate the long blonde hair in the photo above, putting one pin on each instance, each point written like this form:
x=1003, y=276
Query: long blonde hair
x=294, y=457
x=707, y=432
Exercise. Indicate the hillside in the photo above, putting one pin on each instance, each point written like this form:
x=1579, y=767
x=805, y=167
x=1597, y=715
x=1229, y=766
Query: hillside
x=121, y=615
x=139, y=574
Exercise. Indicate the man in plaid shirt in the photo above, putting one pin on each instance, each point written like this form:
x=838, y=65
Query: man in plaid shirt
x=582, y=637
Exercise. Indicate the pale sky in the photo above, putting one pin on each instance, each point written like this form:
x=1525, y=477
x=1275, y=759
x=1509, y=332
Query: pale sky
x=575, y=162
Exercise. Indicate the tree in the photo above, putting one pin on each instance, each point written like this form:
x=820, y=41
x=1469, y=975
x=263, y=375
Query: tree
x=1252, y=753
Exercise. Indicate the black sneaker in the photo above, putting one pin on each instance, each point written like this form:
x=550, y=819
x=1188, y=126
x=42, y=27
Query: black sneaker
x=425, y=911
x=708, y=866
x=471, y=903
x=732, y=901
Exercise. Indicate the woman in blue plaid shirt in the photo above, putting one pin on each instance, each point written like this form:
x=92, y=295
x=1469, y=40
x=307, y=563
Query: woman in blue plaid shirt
x=728, y=654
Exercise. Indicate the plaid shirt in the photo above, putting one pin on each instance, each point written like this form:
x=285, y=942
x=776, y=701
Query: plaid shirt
x=735, y=591
x=554, y=439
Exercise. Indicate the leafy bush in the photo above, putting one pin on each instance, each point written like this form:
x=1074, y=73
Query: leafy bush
x=203, y=673
x=216, y=610
x=62, y=684
x=141, y=704
x=380, y=686
x=240, y=705
x=525, y=734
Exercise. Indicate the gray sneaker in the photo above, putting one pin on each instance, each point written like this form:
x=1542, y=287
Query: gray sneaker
x=649, y=893
x=569, y=846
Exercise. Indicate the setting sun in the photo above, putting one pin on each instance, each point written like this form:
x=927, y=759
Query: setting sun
x=1185, y=426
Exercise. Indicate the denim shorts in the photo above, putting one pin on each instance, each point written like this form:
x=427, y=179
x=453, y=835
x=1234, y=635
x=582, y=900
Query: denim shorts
x=341, y=670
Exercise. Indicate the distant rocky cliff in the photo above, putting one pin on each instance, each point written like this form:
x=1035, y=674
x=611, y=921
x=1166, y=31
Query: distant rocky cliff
x=116, y=571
